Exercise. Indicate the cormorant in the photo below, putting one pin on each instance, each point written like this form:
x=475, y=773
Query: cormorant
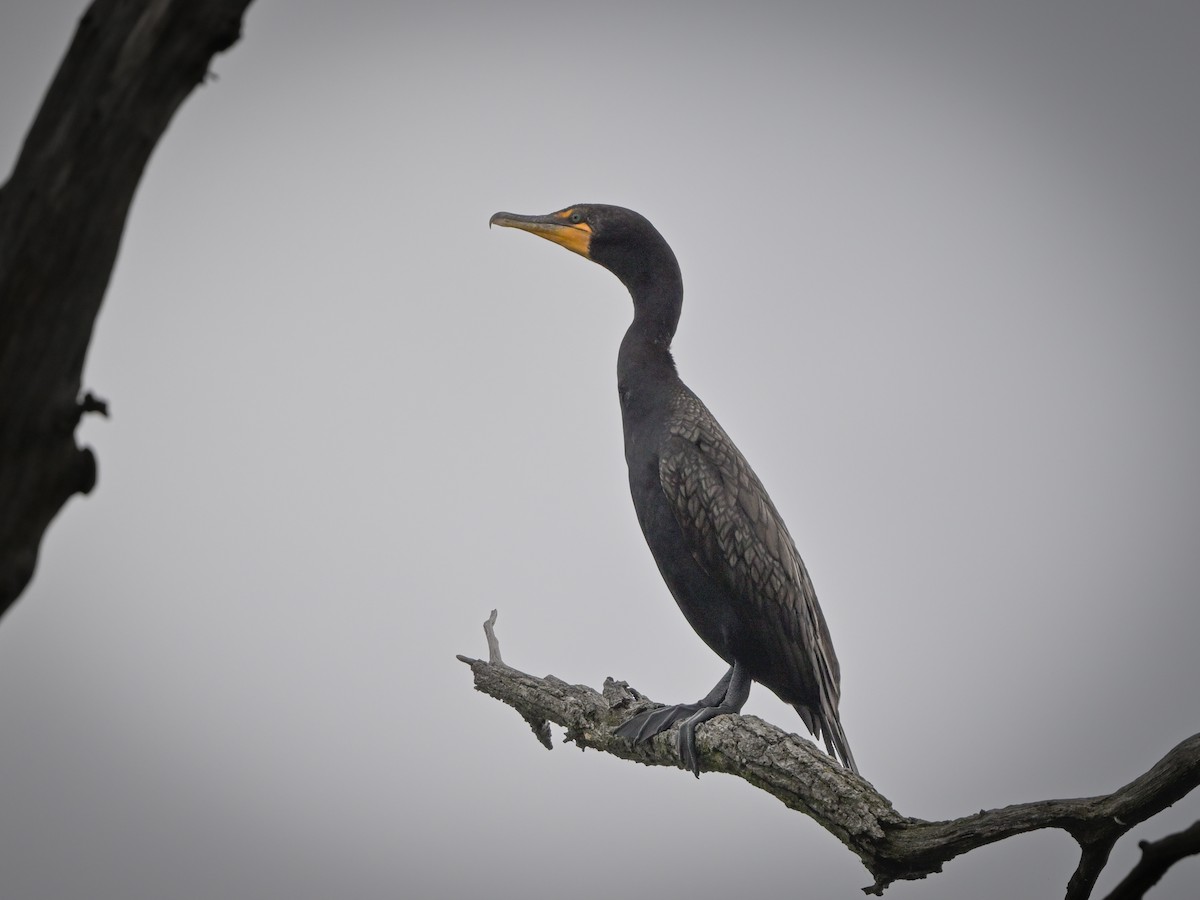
x=720, y=544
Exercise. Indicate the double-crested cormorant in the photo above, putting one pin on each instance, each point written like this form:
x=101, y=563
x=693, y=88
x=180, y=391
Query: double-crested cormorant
x=720, y=544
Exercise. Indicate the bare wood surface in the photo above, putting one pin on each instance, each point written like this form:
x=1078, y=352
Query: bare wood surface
x=62, y=213
x=791, y=768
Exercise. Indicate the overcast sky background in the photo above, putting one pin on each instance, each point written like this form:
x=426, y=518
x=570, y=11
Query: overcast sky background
x=942, y=272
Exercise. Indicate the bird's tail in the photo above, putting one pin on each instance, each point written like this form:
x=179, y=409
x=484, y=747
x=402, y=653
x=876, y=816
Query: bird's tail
x=836, y=743
x=829, y=727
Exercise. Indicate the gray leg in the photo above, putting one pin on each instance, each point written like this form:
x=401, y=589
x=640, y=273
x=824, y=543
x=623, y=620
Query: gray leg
x=736, y=695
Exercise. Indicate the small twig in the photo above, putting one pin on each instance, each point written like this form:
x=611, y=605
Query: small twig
x=93, y=404
x=1157, y=857
x=539, y=725
x=493, y=642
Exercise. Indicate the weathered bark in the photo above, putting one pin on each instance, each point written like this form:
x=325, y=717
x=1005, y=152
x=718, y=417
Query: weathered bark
x=891, y=846
x=62, y=213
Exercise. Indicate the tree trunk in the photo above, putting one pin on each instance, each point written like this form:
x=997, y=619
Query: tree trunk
x=62, y=213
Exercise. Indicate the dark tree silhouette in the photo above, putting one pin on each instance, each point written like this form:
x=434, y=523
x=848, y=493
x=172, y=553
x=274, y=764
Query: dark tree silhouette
x=791, y=768
x=62, y=213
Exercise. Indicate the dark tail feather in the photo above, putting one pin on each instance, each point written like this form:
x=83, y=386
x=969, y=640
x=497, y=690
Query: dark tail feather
x=829, y=728
x=836, y=743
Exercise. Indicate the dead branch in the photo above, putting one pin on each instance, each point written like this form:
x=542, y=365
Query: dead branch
x=1157, y=857
x=62, y=213
x=791, y=768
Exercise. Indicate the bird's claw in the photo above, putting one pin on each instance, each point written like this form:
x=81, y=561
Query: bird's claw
x=689, y=756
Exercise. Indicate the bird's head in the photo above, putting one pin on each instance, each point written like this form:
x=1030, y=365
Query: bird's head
x=621, y=240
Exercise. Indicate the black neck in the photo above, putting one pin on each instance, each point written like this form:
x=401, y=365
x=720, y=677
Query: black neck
x=646, y=348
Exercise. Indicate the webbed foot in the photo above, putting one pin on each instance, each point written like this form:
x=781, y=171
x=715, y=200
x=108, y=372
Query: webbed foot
x=729, y=696
x=646, y=725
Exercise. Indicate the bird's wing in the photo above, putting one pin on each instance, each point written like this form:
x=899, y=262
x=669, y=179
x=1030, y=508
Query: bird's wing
x=738, y=537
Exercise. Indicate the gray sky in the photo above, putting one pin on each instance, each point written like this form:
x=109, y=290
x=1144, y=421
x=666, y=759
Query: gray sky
x=941, y=269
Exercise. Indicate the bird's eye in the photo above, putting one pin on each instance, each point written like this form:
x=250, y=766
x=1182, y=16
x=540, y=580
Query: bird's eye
x=576, y=218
